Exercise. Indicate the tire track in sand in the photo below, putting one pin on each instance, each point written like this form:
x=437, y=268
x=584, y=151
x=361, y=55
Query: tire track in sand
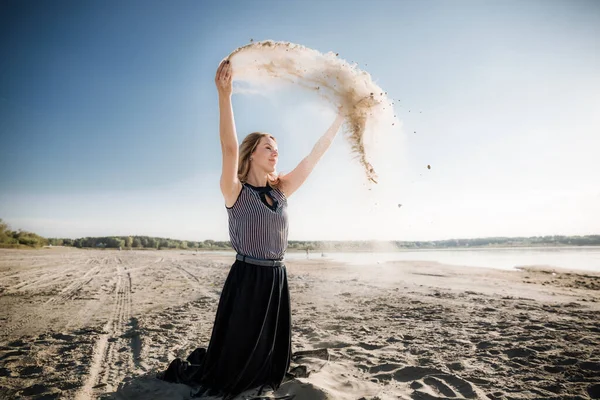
x=40, y=278
x=53, y=270
x=110, y=363
x=71, y=290
x=67, y=293
x=188, y=276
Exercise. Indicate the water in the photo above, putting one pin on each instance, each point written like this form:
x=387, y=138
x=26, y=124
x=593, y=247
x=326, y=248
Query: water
x=577, y=258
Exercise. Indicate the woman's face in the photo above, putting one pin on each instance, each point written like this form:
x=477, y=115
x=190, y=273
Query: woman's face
x=266, y=154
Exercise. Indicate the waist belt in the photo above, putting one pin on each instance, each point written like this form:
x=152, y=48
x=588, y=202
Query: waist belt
x=256, y=261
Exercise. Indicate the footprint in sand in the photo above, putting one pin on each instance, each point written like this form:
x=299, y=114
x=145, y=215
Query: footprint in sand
x=37, y=389
x=31, y=370
x=428, y=383
x=370, y=346
x=442, y=386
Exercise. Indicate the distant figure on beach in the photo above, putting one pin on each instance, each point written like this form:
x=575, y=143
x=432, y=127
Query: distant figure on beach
x=250, y=346
x=307, y=252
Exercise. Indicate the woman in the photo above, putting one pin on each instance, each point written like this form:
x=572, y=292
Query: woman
x=250, y=344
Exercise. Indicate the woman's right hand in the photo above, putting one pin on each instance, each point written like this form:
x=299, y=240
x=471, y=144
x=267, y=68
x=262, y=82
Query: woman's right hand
x=223, y=78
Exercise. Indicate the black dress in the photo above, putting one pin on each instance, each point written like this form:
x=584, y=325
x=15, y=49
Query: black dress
x=250, y=345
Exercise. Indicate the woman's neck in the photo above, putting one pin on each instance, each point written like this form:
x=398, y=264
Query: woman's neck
x=256, y=179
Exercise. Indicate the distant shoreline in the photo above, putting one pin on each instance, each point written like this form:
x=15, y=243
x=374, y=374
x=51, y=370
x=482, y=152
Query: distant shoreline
x=406, y=250
x=20, y=240
x=342, y=250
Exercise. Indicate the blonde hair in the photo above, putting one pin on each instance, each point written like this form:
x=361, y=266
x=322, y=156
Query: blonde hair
x=247, y=147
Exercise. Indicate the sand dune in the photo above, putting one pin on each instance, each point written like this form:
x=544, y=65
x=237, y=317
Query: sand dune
x=99, y=324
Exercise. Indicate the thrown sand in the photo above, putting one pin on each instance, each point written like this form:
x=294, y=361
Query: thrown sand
x=100, y=324
x=263, y=66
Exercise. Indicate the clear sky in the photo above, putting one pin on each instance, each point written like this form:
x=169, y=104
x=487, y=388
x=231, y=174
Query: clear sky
x=109, y=116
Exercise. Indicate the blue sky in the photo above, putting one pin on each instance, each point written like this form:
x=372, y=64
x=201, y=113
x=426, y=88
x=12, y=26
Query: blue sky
x=109, y=117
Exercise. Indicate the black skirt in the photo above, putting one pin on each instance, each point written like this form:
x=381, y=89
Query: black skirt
x=250, y=345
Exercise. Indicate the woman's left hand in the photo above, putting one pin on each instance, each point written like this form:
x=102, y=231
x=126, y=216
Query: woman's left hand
x=223, y=78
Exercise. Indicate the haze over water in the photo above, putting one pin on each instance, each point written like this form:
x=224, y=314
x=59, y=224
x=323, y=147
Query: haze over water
x=576, y=258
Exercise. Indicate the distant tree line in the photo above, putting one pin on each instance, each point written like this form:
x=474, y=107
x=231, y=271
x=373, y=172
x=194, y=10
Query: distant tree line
x=534, y=241
x=139, y=242
x=20, y=238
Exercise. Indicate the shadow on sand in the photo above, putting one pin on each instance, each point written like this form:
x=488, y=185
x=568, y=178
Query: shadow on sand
x=147, y=386
x=303, y=364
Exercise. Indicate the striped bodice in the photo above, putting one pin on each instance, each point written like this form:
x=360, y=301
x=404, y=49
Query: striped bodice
x=255, y=229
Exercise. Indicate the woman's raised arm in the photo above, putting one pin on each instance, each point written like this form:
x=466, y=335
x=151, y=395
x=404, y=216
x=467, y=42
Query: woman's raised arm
x=292, y=181
x=230, y=184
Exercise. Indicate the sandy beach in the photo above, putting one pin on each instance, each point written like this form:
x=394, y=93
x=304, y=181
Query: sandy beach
x=83, y=324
